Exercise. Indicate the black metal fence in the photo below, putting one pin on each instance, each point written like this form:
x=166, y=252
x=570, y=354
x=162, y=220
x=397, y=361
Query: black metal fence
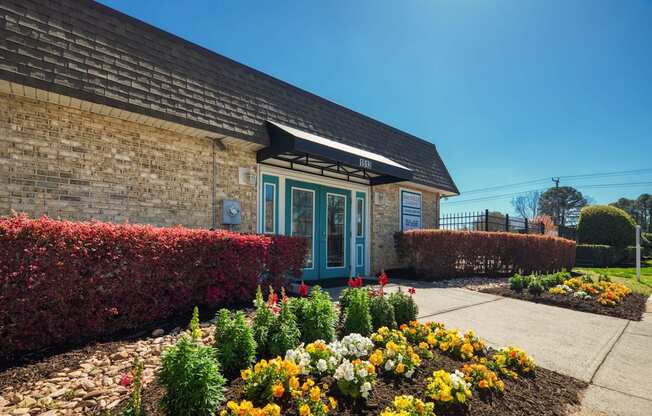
x=489, y=221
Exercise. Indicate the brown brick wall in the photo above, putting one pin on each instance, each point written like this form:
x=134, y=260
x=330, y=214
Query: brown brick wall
x=385, y=221
x=72, y=164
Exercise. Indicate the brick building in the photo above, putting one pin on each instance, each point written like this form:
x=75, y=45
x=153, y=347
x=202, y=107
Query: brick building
x=103, y=116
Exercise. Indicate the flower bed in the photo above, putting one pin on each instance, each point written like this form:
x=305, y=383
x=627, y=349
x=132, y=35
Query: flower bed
x=410, y=367
x=66, y=282
x=587, y=294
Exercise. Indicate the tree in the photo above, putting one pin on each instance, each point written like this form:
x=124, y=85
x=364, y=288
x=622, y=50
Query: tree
x=563, y=204
x=640, y=209
x=527, y=205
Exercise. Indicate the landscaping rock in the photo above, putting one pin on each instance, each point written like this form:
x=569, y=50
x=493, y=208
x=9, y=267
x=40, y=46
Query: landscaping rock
x=158, y=333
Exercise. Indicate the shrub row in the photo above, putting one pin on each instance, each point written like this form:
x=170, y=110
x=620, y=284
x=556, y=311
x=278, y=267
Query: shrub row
x=443, y=253
x=63, y=282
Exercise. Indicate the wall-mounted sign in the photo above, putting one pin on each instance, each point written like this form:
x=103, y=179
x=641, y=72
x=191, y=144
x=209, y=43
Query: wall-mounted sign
x=410, y=210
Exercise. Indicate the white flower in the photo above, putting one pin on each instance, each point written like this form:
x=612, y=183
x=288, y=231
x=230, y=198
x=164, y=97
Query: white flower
x=409, y=373
x=362, y=373
x=389, y=365
x=345, y=371
x=333, y=361
x=322, y=365
x=365, y=389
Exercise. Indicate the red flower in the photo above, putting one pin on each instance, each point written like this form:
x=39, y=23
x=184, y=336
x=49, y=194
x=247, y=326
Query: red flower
x=355, y=282
x=126, y=380
x=412, y=291
x=383, y=279
x=303, y=289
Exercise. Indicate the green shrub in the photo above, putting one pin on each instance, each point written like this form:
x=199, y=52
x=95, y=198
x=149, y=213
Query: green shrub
x=607, y=225
x=604, y=278
x=535, y=287
x=382, y=312
x=262, y=322
x=519, y=282
x=598, y=255
x=405, y=309
x=587, y=279
x=191, y=376
x=315, y=316
x=234, y=342
x=345, y=297
x=357, y=318
x=283, y=333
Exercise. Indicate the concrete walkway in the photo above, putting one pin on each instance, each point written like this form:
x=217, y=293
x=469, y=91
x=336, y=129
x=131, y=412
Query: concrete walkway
x=613, y=355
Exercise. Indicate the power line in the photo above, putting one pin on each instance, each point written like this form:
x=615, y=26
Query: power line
x=589, y=186
x=564, y=178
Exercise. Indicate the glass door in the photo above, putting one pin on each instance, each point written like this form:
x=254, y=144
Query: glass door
x=360, y=232
x=321, y=215
x=335, y=229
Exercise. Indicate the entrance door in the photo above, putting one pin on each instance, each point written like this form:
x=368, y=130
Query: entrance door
x=322, y=215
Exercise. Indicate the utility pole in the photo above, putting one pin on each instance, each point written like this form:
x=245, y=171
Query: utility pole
x=556, y=181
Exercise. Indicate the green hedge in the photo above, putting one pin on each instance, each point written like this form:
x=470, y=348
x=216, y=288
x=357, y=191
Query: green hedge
x=597, y=255
x=606, y=225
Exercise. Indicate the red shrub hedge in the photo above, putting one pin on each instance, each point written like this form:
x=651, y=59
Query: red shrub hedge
x=441, y=253
x=66, y=282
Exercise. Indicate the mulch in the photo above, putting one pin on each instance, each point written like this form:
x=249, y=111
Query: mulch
x=632, y=307
x=546, y=394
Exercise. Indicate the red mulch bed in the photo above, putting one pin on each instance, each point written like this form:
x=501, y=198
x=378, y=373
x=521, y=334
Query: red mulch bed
x=546, y=394
x=632, y=306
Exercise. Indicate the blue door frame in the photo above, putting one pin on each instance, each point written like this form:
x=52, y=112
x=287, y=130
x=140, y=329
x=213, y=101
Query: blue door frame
x=312, y=202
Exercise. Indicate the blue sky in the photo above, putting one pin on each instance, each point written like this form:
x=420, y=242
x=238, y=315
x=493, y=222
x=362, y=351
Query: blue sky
x=509, y=91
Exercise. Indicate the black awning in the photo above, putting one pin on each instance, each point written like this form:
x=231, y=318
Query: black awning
x=300, y=150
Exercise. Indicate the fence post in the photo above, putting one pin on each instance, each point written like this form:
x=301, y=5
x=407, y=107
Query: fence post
x=486, y=220
x=542, y=228
x=507, y=222
x=526, y=227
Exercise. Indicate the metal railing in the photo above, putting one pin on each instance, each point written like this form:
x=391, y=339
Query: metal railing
x=489, y=221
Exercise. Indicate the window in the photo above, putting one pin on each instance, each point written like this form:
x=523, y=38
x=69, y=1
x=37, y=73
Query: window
x=359, y=218
x=269, y=208
x=303, y=212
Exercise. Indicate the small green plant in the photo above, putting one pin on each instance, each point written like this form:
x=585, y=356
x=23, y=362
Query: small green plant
x=316, y=316
x=234, y=342
x=262, y=323
x=535, y=287
x=191, y=375
x=357, y=317
x=604, y=278
x=195, y=330
x=382, y=312
x=519, y=282
x=405, y=308
x=284, y=333
x=134, y=407
x=587, y=279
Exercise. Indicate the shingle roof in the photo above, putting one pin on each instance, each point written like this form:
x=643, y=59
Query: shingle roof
x=88, y=51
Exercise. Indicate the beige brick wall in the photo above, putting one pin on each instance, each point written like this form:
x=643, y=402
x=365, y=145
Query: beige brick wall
x=72, y=164
x=385, y=221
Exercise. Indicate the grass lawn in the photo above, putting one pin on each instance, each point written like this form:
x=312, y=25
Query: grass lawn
x=626, y=275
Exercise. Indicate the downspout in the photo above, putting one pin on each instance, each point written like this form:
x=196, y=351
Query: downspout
x=214, y=143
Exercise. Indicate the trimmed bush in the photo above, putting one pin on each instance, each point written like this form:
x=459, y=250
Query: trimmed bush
x=405, y=309
x=190, y=373
x=234, y=342
x=66, y=282
x=607, y=225
x=357, y=318
x=382, y=312
x=436, y=254
x=598, y=255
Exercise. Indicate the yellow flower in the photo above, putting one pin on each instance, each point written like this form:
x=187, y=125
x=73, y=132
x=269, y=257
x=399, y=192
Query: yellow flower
x=376, y=358
x=400, y=368
x=294, y=382
x=304, y=410
x=315, y=394
x=278, y=390
x=332, y=402
x=245, y=374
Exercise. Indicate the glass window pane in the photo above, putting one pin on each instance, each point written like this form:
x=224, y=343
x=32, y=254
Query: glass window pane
x=302, y=218
x=335, y=215
x=270, y=199
x=360, y=218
